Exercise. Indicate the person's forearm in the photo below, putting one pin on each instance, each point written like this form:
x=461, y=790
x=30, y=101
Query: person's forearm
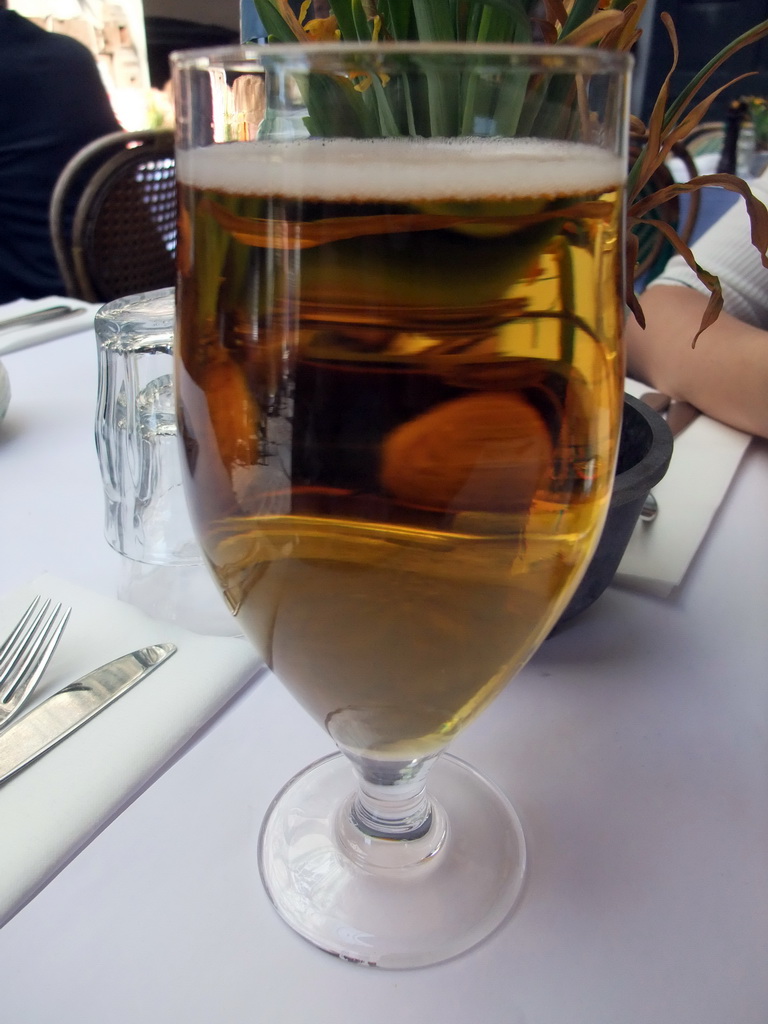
x=725, y=375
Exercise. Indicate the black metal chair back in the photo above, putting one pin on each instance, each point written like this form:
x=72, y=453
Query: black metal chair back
x=113, y=216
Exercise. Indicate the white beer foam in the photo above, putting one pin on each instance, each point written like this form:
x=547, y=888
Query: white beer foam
x=402, y=169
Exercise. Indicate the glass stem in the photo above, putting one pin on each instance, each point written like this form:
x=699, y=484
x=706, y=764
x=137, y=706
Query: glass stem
x=391, y=800
x=391, y=822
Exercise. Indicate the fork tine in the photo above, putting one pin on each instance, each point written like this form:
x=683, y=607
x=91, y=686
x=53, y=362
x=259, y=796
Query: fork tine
x=31, y=648
x=34, y=650
x=18, y=645
x=9, y=642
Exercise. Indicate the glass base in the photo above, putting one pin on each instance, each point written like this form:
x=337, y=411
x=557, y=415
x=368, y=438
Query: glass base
x=182, y=593
x=392, y=903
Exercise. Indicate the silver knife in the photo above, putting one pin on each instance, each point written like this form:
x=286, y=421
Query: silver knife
x=32, y=735
x=40, y=316
x=679, y=414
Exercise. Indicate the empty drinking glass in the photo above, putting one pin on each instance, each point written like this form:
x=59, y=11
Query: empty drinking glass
x=146, y=518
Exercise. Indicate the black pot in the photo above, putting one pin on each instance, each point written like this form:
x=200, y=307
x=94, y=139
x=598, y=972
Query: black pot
x=645, y=450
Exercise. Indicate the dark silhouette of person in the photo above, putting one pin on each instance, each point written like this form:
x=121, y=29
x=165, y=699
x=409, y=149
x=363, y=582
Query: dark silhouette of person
x=52, y=103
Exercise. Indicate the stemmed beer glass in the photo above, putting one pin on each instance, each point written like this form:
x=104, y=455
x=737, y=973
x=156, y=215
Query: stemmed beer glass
x=399, y=385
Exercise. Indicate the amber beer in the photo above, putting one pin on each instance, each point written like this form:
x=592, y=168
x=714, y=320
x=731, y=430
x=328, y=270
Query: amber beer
x=398, y=389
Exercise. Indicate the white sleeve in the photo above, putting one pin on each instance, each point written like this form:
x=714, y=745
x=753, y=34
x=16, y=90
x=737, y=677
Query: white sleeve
x=726, y=250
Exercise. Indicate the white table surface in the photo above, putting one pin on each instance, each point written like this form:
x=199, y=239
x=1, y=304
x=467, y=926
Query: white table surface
x=634, y=747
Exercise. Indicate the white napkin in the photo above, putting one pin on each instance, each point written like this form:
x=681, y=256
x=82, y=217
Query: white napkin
x=15, y=338
x=705, y=458
x=53, y=808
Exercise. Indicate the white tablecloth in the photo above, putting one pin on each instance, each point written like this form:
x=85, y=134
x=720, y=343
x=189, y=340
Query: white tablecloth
x=634, y=746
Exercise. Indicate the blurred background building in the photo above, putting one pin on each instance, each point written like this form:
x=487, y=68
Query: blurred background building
x=132, y=39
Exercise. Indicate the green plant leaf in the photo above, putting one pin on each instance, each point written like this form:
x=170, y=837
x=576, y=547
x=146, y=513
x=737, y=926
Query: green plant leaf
x=506, y=21
x=342, y=11
x=274, y=22
x=437, y=105
x=387, y=121
x=668, y=124
x=696, y=115
x=397, y=16
x=753, y=35
x=434, y=20
x=487, y=19
x=335, y=107
x=363, y=27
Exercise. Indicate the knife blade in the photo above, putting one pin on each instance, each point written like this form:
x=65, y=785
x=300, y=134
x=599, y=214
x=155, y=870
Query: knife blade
x=679, y=414
x=57, y=717
x=40, y=316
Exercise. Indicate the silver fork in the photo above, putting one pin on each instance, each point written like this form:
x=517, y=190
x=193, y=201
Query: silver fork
x=25, y=654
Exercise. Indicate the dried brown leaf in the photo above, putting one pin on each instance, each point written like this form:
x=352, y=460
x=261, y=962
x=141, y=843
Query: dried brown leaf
x=632, y=247
x=555, y=11
x=650, y=158
x=748, y=38
x=637, y=127
x=696, y=115
x=593, y=29
x=633, y=13
x=290, y=19
x=633, y=40
x=265, y=232
x=626, y=33
x=670, y=138
x=547, y=30
x=758, y=215
x=710, y=282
